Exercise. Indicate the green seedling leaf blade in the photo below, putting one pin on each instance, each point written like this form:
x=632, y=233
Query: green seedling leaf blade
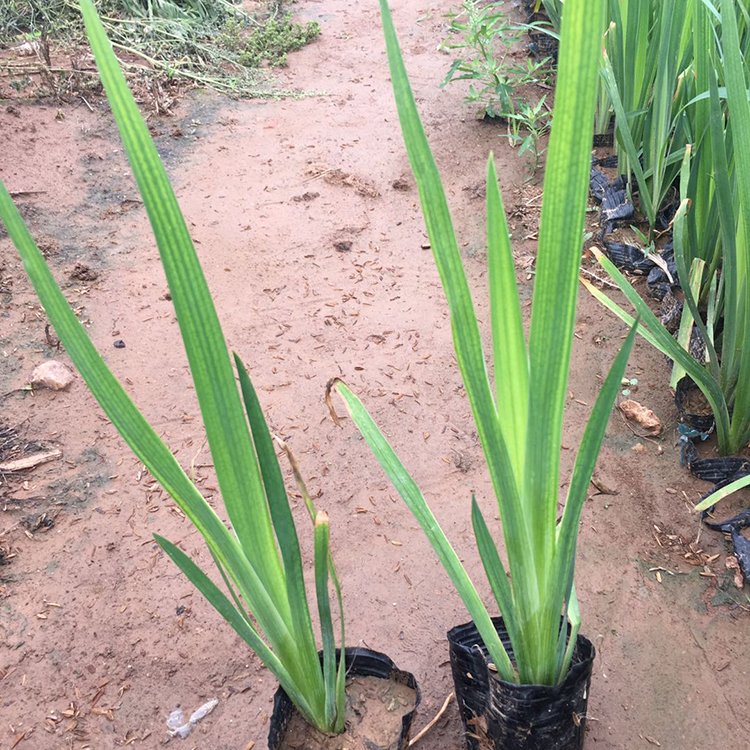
x=728, y=226
x=591, y=441
x=723, y=492
x=115, y=402
x=341, y=672
x=626, y=138
x=567, y=531
x=657, y=335
x=142, y=439
x=283, y=524
x=508, y=340
x=495, y=572
x=228, y=437
x=340, y=697
x=240, y=625
x=739, y=124
x=690, y=296
x=566, y=185
x=466, y=336
x=687, y=320
x=412, y=496
x=321, y=547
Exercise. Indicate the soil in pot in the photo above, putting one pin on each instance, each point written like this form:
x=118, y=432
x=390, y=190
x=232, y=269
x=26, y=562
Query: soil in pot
x=375, y=709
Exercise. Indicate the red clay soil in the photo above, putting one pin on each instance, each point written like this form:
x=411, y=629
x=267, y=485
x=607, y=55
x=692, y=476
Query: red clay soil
x=308, y=226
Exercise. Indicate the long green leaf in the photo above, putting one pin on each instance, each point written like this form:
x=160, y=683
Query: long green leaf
x=496, y=575
x=583, y=470
x=412, y=496
x=508, y=339
x=566, y=183
x=321, y=547
x=228, y=437
x=115, y=402
x=657, y=335
x=241, y=626
x=466, y=336
x=723, y=492
x=283, y=523
x=628, y=140
x=739, y=123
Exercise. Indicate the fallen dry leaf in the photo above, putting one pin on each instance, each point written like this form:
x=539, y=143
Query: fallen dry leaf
x=30, y=461
x=642, y=416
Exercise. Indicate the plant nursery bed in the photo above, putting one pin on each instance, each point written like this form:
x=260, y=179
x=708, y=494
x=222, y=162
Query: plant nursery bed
x=307, y=223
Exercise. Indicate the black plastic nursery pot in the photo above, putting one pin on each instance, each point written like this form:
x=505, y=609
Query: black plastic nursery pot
x=686, y=388
x=505, y=716
x=360, y=662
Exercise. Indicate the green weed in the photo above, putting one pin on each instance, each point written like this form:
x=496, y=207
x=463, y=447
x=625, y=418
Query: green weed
x=485, y=40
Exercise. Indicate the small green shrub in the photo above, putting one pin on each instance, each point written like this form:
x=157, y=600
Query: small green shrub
x=484, y=38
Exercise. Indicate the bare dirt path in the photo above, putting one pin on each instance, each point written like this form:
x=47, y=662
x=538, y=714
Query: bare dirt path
x=308, y=226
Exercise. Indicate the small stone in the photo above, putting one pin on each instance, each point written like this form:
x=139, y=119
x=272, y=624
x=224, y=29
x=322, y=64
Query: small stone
x=53, y=375
x=119, y=344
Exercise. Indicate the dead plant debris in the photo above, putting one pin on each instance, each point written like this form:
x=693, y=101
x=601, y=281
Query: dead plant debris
x=338, y=177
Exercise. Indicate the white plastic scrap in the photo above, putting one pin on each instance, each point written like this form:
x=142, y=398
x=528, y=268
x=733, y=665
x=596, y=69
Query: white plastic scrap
x=177, y=725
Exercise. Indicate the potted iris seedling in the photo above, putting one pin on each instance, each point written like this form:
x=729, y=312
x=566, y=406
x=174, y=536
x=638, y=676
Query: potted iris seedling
x=263, y=598
x=521, y=679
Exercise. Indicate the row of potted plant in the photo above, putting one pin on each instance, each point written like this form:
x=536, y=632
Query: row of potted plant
x=696, y=149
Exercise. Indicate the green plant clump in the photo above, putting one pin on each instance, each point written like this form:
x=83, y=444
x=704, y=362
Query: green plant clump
x=258, y=559
x=519, y=416
x=723, y=322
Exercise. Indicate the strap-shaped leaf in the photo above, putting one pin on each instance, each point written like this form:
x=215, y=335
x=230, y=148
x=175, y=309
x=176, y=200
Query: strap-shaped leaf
x=241, y=626
x=321, y=548
x=739, y=123
x=466, y=337
x=553, y=309
x=511, y=361
x=567, y=536
x=283, y=522
x=412, y=496
x=113, y=399
x=228, y=437
x=657, y=335
x=496, y=576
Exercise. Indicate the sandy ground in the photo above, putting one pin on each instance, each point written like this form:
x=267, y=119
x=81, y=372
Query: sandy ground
x=308, y=226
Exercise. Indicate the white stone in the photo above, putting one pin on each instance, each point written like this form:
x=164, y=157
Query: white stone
x=53, y=375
